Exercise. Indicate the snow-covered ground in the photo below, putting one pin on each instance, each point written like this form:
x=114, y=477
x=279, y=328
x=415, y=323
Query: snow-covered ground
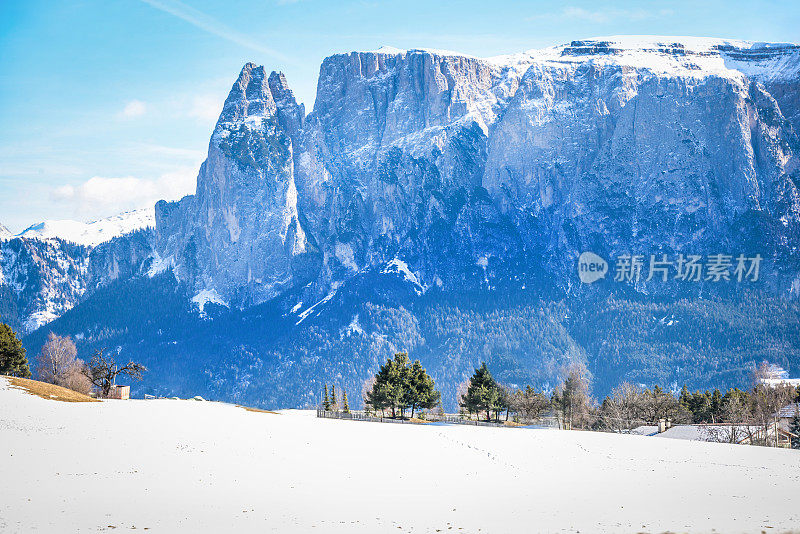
x=186, y=466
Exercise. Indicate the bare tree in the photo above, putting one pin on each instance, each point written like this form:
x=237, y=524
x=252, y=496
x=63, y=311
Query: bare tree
x=735, y=428
x=571, y=399
x=766, y=400
x=461, y=393
x=56, y=357
x=366, y=387
x=57, y=363
x=624, y=408
x=529, y=404
x=103, y=371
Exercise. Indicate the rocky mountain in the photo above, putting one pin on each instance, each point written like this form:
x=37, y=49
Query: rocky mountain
x=49, y=267
x=469, y=169
x=438, y=203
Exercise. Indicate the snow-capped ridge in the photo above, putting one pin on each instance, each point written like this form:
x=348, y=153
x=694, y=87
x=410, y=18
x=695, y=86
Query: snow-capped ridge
x=92, y=233
x=681, y=55
x=664, y=54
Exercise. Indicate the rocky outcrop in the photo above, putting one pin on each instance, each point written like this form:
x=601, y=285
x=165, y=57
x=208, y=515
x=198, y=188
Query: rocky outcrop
x=483, y=171
x=40, y=280
x=241, y=234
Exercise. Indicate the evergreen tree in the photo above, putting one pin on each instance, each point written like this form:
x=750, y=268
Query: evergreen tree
x=400, y=385
x=326, y=402
x=685, y=398
x=716, y=406
x=390, y=385
x=483, y=393
x=420, y=391
x=334, y=402
x=13, y=361
x=794, y=428
x=346, y=407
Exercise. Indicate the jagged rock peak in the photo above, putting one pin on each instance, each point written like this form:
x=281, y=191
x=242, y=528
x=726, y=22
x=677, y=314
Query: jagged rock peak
x=255, y=96
x=249, y=96
x=279, y=88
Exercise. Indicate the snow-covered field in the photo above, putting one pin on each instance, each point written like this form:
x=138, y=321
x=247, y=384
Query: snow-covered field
x=187, y=466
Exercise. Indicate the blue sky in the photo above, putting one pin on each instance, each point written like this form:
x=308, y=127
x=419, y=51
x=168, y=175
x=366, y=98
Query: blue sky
x=108, y=105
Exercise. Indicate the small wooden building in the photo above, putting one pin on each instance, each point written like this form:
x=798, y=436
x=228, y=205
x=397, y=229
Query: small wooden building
x=119, y=392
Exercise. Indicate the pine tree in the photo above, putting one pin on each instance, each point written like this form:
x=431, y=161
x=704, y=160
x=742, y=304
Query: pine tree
x=794, y=428
x=420, y=389
x=389, y=386
x=716, y=406
x=483, y=393
x=685, y=398
x=13, y=361
x=334, y=402
x=346, y=407
x=326, y=402
x=400, y=385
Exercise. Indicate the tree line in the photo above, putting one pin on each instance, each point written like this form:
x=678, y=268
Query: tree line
x=401, y=388
x=58, y=363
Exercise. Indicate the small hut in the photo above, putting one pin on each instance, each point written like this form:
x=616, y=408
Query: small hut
x=119, y=392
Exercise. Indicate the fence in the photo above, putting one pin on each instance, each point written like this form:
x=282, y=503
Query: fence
x=429, y=418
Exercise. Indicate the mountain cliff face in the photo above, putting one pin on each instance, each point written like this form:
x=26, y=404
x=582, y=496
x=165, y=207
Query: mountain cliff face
x=438, y=203
x=481, y=171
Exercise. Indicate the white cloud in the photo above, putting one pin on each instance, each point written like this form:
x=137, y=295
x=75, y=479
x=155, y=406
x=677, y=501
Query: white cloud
x=134, y=108
x=101, y=196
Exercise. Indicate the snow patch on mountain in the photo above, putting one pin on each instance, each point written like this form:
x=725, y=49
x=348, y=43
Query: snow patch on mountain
x=305, y=313
x=207, y=296
x=5, y=233
x=92, y=233
x=398, y=266
x=159, y=265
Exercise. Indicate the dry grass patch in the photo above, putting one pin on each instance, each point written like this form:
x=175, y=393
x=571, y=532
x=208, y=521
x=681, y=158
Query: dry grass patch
x=48, y=391
x=419, y=421
x=513, y=423
x=258, y=410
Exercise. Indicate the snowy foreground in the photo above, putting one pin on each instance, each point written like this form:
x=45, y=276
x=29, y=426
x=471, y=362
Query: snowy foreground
x=187, y=466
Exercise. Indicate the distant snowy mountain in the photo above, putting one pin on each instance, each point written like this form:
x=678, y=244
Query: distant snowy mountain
x=92, y=233
x=47, y=269
x=5, y=233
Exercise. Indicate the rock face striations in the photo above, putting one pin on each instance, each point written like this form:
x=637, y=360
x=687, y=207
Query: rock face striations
x=241, y=234
x=477, y=172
